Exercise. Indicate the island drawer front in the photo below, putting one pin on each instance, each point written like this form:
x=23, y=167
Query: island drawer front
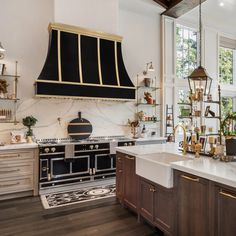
x=16, y=185
x=16, y=169
x=8, y=157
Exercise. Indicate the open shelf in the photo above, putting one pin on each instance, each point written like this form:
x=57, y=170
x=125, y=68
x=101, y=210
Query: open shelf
x=145, y=87
x=184, y=103
x=9, y=99
x=10, y=76
x=216, y=102
x=9, y=121
x=149, y=121
x=147, y=104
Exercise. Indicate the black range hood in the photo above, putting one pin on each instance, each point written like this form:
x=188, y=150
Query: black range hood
x=84, y=64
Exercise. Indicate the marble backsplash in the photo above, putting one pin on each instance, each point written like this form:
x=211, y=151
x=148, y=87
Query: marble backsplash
x=106, y=117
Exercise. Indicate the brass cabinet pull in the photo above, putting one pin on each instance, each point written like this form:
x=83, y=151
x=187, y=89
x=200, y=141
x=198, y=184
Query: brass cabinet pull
x=120, y=171
x=9, y=185
x=222, y=192
x=9, y=171
x=10, y=156
x=152, y=190
x=189, y=178
x=130, y=158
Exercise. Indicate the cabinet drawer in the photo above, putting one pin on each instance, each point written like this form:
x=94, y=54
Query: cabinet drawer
x=9, y=157
x=16, y=185
x=16, y=169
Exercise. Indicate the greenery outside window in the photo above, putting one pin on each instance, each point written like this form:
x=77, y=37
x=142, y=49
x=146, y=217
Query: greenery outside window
x=226, y=105
x=186, y=51
x=226, y=65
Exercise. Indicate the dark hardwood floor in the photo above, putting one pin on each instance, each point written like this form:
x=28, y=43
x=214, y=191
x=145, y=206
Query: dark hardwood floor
x=26, y=217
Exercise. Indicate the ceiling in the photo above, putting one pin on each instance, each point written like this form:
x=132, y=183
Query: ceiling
x=219, y=17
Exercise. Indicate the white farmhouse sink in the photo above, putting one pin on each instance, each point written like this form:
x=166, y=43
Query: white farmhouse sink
x=156, y=167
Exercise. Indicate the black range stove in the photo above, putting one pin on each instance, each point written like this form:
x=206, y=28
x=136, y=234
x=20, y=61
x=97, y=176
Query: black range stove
x=66, y=161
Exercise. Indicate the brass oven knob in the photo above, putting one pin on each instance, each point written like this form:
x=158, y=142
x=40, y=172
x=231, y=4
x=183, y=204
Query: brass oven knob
x=96, y=146
x=125, y=144
x=46, y=150
x=91, y=147
x=53, y=149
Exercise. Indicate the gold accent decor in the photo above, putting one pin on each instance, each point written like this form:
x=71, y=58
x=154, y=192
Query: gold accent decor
x=83, y=31
x=185, y=144
x=83, y=98
x=80, y=61
x=79, y=123
x=87, y=84
x=227, y=194
x=116, y=63
x=99, y=62
x=59, y=54
x=189, y=178
x=80, y=134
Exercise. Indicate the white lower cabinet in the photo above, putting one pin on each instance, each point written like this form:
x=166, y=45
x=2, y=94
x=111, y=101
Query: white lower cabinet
x=18, y=172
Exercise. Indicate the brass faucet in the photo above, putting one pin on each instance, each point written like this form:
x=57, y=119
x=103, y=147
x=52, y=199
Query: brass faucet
x=185, y=144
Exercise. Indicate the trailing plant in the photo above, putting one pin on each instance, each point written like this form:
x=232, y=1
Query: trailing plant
x=228, y=127
x=29, y=121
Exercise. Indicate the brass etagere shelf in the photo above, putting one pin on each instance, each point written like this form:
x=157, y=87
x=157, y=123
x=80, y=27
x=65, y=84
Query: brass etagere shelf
x=10, y=114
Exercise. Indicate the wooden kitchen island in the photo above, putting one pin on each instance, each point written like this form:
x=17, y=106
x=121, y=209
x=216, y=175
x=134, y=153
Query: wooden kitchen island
x=202, y=200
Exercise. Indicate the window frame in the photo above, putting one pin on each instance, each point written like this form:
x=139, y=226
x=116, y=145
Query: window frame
x=189, y=28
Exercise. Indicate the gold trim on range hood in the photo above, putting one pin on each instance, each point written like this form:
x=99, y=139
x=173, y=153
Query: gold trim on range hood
x=96, y=55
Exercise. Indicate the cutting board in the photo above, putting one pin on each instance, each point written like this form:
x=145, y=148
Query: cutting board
x=79, y=128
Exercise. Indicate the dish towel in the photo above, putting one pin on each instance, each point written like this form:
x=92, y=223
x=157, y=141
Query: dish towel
x=69, y=151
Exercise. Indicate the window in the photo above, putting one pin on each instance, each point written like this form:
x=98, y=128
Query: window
x=227, y=61
x=226, y=105
x=226, y=65
x=186, y=55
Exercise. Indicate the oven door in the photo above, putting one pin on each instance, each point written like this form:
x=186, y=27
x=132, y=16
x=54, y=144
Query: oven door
x=81, y=165
x=60, y=168
x=103, y=163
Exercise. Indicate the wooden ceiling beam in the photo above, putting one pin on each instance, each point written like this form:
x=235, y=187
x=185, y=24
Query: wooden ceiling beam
x=163, y=3
x=177, y=8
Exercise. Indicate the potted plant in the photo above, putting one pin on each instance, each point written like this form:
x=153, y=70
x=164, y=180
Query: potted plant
x=228, y=128
x=29, y=121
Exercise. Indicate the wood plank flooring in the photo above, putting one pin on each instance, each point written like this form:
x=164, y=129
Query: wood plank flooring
x=26, y=217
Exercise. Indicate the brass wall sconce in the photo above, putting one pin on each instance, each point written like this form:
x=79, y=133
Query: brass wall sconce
x=149, y=67
x=1, y=51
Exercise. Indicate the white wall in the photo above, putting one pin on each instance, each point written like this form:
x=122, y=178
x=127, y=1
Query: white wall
x=99, y=15
x=25, y=37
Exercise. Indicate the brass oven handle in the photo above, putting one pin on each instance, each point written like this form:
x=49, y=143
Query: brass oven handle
x=189, y=178
x=9, y=185
x=128, y=157
x=45, y=169
x=222, y=192
x=9, y=171
x=94, y=171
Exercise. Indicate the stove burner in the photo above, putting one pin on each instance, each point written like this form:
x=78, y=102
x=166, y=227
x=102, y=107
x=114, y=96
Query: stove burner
x=65, y=141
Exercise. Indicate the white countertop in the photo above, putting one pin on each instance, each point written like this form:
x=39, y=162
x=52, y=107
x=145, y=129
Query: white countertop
x=205, y=167
x=18, y=146
x=148, y=149
x=152, y=139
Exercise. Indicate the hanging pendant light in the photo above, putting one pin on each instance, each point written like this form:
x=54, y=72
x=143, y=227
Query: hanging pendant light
x=199, y=80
